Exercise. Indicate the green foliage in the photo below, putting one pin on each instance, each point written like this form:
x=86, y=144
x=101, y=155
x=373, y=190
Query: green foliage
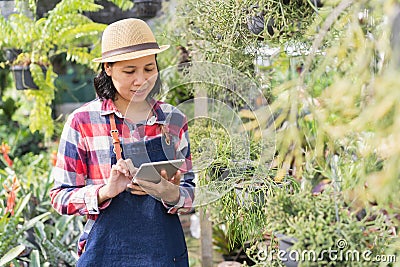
x=219, y=31
x=11, y=254
x=54, y=241
x=330, y=86
x=210, y=144
x=16, y=134
x=13, y=226
x=353, y=104
x=319, y=222
x=64, y=30
x=49, y=239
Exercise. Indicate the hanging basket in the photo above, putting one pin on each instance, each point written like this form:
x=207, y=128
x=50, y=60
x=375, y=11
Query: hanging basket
x=11, y=54
x=23, y=77
x=146, y=9
x=289, y=19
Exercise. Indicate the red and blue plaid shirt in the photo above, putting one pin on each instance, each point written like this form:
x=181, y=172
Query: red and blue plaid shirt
x=84, y=161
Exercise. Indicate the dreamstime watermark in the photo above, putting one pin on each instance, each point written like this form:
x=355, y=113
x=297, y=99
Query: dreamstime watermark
x=339, y=254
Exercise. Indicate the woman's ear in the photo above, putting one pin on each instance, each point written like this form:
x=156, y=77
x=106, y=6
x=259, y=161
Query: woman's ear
x=107, y=68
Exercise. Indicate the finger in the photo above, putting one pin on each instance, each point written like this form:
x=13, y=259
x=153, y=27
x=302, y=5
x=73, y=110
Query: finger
x=176, y=180
x=134, y=186
x=164, y=174
x=123, y=167
x=119, y=168
x=140, y=193
x=140, y=182
x=116, y=170
x=131, y=167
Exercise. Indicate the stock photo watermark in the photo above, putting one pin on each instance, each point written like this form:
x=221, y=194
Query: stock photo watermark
x=341, y=253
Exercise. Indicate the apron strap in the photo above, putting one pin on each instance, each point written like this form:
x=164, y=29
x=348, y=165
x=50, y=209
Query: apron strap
x=115, y=139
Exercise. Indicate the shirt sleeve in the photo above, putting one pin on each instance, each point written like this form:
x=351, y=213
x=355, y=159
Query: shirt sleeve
x=70, y=194
x=187, y=185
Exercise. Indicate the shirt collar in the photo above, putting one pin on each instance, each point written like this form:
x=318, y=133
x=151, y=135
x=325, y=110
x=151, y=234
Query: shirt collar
x=108, y=107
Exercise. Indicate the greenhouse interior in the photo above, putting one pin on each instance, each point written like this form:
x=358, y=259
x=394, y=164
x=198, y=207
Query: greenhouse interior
x=288, y=111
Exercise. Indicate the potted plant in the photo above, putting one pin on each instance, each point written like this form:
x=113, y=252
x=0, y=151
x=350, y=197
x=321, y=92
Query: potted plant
x=314, y=224
x=231, y=251
x=146, y=9
x=257, y=184
x=64, y=29
x=211, y=147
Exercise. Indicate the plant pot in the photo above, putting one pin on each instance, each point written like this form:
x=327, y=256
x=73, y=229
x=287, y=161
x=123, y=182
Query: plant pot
x=219, y=172
x=229, y=264
x=146, y=9
x=11, y=54
x=285, y=252
x=250, y=194
x=255, y=24
x=240, y=257
x=253, y=193
x=109, y=13
x=23, y=77
x=317, y=3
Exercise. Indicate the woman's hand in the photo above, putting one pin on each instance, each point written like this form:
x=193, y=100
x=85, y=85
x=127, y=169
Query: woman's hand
x=166, y=189
x=120, y=176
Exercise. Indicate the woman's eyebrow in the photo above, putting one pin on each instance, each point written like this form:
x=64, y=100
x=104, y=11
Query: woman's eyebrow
x=132, y=66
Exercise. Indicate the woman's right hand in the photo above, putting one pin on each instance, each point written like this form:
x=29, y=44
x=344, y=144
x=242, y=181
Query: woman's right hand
x=120, y=176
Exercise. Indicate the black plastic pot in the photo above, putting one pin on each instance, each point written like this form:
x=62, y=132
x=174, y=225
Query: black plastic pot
x=255, y=24
x=285, y=252
x=317, y=3
x=110, y=13
x=249, y=196
x=238, y=257
x=23, y=77
x=146, y=9
x=11, y=54
x=219, y=172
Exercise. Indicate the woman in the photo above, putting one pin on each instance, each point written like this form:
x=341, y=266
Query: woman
x=128, y=223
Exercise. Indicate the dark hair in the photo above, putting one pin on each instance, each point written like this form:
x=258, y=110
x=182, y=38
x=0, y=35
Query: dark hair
x=105, y=88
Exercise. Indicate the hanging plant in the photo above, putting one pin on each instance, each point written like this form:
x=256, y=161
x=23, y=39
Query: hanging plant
x=286, y=19
x=146, y=9
x=23, y=77
x=34, y=41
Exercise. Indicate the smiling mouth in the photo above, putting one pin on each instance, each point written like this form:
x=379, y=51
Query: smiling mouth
x=139, y=91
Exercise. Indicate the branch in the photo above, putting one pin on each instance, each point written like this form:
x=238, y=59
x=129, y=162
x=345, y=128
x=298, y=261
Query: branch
x=322, y=33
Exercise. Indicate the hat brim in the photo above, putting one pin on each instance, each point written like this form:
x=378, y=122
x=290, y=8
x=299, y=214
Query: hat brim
x=131, y=55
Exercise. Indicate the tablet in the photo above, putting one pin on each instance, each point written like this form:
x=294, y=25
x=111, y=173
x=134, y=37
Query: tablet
x=151, y=171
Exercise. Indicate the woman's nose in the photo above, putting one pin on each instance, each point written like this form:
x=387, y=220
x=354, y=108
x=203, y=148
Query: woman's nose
x=140, y=78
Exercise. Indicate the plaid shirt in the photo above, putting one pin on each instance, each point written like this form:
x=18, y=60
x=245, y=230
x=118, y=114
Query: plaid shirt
x=84, y=161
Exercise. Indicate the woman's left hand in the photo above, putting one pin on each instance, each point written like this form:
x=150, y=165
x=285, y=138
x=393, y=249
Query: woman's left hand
x=166, y=189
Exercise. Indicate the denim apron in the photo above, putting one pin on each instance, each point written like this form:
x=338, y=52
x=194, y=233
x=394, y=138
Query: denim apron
x=137, y=230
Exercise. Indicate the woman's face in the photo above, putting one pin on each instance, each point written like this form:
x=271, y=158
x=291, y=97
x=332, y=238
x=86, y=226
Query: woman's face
x=133, y=78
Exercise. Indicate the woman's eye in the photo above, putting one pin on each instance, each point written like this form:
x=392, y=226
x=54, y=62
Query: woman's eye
x=129, y=72
x=149, y=70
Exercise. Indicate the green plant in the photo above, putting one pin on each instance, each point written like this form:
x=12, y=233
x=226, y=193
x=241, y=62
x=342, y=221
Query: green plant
x=64, y=30
x=211, y=146
x=13, y=227
x=48, y=239
x=319, y=223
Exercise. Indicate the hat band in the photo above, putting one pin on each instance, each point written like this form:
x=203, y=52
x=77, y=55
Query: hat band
x=131, y=48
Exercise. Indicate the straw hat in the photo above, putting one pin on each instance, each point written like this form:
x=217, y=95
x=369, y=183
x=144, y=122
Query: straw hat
x=128, y=39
